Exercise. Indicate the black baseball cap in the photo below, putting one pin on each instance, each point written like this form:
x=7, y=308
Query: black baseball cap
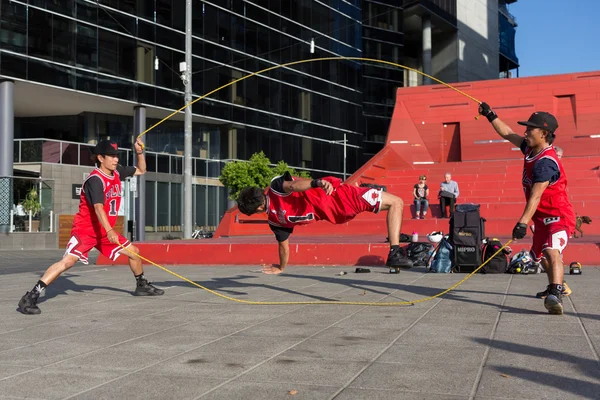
x=542, y=120
x=107, y=148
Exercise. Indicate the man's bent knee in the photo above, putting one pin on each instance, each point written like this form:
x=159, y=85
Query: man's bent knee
x=68, y=261
x=391, y=200
x=132, y=249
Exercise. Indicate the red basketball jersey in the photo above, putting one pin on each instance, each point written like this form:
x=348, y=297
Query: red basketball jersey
x=289, y=209
x=555, y=200
x=85, y=221
x=300, y=208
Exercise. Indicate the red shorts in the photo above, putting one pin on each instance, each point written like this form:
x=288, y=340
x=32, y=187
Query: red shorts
x=80, y=245
x=346, y=202
x=549, y=233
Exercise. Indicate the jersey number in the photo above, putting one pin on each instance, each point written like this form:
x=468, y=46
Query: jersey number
x=113, y=208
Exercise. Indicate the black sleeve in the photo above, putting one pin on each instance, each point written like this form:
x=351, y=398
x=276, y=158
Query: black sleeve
x=545, y=170
x=125, y=172
x=277, y=182
x=523, y=146
x=281, y=233
x=94, y=190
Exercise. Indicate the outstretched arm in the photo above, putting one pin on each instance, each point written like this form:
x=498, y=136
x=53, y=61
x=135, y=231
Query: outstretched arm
x=303, y=184
x=282, y=235
x=284, y=256
x=500, y=127
x=520, y=230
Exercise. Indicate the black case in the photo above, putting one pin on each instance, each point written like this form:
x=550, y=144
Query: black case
x=467, y=230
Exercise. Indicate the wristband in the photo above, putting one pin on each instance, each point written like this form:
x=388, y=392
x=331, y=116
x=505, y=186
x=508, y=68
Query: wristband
x=491, y=116
x=140, y=153
x=315, y=183
x=109, y=230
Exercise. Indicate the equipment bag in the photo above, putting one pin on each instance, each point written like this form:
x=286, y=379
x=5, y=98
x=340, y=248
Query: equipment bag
x=419, y=253
x=441, y=261
x=467, y=230
x=498, y=264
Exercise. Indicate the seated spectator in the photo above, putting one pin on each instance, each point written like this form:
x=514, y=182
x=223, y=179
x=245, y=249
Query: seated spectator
x=559, y=152
x=421, y=194
x=448, y=194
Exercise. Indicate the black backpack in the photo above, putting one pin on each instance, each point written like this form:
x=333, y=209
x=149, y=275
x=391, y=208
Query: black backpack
x=498, y=264
x=419, y=253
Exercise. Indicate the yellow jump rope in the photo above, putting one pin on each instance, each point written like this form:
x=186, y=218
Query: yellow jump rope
x=354, y=303
x=346, y=303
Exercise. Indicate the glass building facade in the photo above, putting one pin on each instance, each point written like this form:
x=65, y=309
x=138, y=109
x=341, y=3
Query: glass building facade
x=112, y=48
x=383, y=39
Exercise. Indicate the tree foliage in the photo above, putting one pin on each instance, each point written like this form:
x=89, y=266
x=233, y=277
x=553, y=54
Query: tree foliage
x=237, y=175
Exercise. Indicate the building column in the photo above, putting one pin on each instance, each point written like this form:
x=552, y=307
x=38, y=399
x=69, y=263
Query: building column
x=426, y=48
x=139, y=126
x=7, y=136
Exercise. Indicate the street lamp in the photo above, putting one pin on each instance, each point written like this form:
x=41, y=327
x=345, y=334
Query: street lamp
x=344, y=141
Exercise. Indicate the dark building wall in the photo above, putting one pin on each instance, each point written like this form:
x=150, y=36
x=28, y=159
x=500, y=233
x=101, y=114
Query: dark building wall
x=109, y=48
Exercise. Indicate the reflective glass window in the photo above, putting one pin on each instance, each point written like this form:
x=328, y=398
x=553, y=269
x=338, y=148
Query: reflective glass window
x=52, y=74
x=39, y=33
x=12, y=65
x=13, y=27
x=87, y=45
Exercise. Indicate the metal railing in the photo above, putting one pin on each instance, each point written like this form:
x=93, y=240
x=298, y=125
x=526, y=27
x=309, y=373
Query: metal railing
x=73, y=153
x=80, y=154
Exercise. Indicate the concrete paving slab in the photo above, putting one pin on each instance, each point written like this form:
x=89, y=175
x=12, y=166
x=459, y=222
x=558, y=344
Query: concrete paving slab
x=489, y=339
x=241, y=345
x=276, y=329
x=442, y=354
x=350, y=350
x=544, y=382
x=150, y=386
x=10, y=370
x=54, y=383
x=349, y=335
x=271, y=391
x=540, y=327
x=418, y=378
x=378, y=394
x=457, y=333
x=305, y=370
x=199, y=364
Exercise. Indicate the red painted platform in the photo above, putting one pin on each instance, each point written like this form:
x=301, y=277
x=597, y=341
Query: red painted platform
x=305, y=250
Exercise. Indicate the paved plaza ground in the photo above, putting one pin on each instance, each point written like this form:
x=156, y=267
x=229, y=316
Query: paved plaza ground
x=489, y=339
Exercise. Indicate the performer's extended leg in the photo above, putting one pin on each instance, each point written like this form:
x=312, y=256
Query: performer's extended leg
x=394, y=206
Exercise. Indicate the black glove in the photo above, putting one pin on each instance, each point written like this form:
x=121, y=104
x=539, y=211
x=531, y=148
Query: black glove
x=486, y=111
x=519, y=231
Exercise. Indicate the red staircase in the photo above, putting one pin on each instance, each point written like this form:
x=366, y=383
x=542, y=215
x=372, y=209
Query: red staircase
x=433, y=132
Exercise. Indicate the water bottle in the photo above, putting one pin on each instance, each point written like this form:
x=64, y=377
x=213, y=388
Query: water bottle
x=415, y=237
